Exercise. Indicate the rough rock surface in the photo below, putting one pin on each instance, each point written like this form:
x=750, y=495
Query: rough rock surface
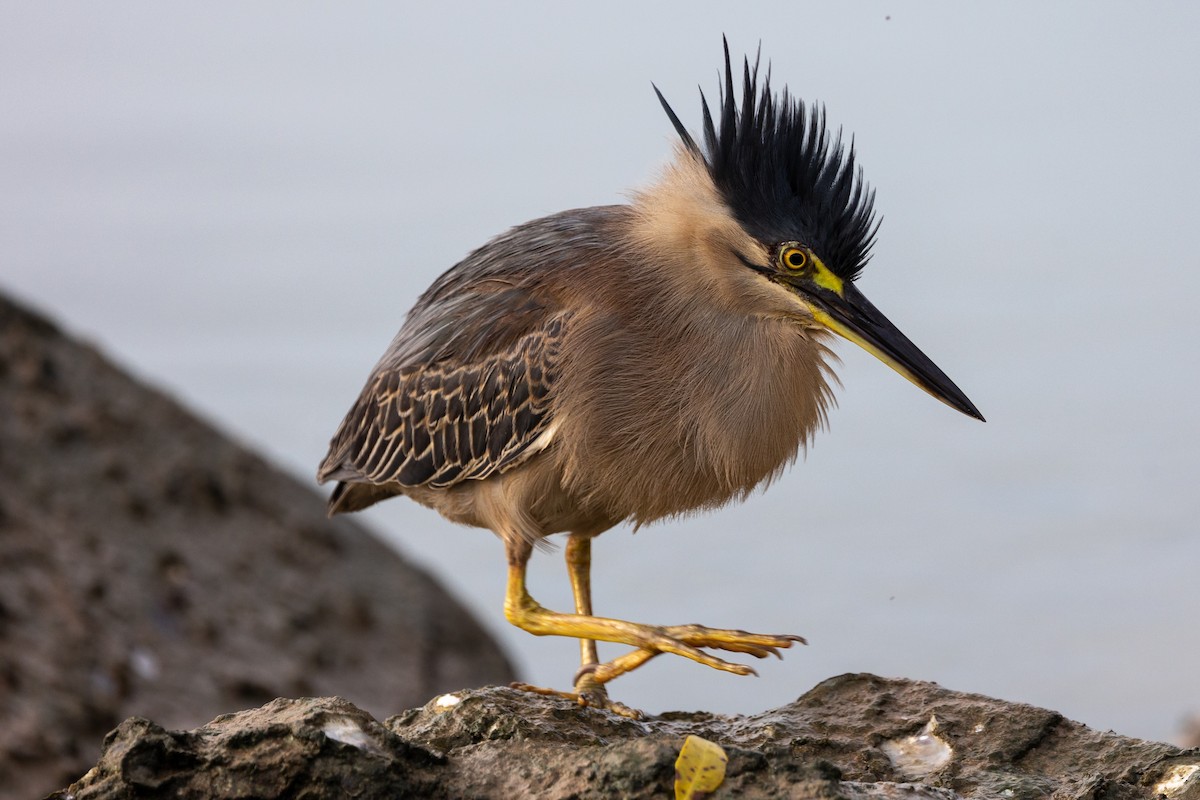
x=151, y=566
x=854, y=736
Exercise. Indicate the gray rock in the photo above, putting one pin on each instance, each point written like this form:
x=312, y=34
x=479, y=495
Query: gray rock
x=840, y=740
x=149, y=565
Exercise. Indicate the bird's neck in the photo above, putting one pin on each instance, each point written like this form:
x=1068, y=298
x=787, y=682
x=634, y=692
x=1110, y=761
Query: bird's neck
x=682, y=225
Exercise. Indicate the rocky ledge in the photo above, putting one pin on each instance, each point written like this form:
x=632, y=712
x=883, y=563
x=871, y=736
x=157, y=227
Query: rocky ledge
x=854, y=736
x=151, y=565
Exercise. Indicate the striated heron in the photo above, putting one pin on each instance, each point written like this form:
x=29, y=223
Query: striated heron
x=634, y=362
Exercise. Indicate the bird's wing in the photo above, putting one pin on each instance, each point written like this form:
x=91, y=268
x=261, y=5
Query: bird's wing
x=439, y=423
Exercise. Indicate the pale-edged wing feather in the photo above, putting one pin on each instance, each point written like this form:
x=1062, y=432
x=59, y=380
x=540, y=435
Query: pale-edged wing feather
x=438, y=424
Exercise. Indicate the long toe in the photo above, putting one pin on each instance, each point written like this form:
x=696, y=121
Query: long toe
x=759, y=645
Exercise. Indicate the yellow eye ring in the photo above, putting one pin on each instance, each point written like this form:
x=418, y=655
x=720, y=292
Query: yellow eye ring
x=794, y=258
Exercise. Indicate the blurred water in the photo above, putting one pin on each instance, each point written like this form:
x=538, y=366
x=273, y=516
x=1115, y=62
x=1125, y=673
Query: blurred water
x=240, y=201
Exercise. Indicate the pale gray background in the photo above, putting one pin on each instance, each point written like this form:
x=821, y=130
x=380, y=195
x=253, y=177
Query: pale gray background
x=240, y=201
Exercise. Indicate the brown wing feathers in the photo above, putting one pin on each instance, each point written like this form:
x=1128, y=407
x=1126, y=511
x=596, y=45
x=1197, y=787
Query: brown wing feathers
x=442, y=423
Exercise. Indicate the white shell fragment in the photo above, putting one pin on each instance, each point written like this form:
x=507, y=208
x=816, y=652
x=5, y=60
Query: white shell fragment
x=446, y=701
x=920, y=754
x=347, y=731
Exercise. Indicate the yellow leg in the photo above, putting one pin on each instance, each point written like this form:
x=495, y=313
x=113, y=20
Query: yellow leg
x=579, y=567
x=683, y=640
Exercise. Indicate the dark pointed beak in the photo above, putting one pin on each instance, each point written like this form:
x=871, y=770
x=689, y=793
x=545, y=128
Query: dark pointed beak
x=850, y=315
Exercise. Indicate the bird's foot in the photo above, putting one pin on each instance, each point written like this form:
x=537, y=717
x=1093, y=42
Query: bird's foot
x=692, y=637
x=588, y=696
x=682, y=640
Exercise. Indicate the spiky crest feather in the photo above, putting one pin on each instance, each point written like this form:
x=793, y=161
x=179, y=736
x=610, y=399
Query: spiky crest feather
x=783, y=176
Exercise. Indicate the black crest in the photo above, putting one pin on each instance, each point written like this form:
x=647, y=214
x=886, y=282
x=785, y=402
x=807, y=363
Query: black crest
x=781, y=173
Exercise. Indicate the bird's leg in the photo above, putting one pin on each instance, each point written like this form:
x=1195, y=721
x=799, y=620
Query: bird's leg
x=579, y=568
x=588, y=692
x=683, y=640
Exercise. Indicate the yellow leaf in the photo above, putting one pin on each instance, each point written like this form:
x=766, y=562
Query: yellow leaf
x=700, y=769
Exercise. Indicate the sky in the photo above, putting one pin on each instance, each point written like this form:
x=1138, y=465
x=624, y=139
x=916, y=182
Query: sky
x=240, y=201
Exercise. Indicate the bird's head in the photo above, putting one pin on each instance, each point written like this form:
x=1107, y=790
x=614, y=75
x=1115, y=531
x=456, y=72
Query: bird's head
x=796, y=192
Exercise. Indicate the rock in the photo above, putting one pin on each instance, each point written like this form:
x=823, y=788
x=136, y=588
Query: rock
x=149, y=565
x=841, y=739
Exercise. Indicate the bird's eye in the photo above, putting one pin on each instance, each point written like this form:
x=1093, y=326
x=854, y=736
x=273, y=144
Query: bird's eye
x=794, y=258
